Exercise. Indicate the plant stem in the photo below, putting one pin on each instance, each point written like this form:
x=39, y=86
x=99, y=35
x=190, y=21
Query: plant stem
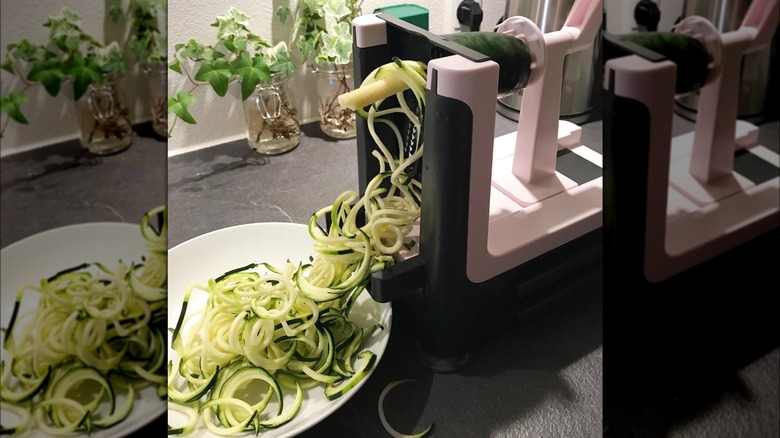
x=173, y=125
x=5, y=125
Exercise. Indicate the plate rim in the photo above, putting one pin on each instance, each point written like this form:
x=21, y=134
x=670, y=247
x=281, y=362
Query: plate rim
x=62, y=228
x=231, y=227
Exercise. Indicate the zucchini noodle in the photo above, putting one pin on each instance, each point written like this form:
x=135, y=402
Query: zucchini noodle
x=92, y=323
x=267, y=328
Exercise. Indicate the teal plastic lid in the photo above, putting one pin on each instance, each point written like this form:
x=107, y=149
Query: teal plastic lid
x=413, y=14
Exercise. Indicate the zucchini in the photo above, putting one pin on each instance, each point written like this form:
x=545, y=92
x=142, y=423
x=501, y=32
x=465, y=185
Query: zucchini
x=92, y=321
x=288, y=414
x=24, y=394
x=121, y=414
x=227, y=402
x=511, y=54
x=21, y=425
x=239, y=379
x=334, y=391
x=385, y=82
x=688, y=53
x=192, y=418
x=74, y=376
x=383, y=418
x=181, y=397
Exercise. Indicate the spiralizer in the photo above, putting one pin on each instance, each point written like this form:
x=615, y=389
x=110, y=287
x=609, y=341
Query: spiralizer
x=503, y=220
x=701, y=193
x=690, y=221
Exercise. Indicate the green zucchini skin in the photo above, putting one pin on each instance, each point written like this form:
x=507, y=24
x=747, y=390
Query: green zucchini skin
x=688, y=53
x=512, y=56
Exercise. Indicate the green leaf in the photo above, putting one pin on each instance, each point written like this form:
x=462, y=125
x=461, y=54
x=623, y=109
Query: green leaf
x=191, y=50
x=238, y=16
x=115, y=12
x=139, y=44
x=336, y=9
x=217, y=73
x=283, y=12
x=72, y=44
x=64, y=24
x=84, y=72
x=178, y=105
x=228, y=43
x=239, y=43
x=159, y=49
x=8, y=66
x=49, y=73
x=175, y=66
x=230, y=24
x=109, y=58
x=278, y=59
x=337, y=44
x=24, y=50
x=11, y=105
x=71, y=17
x=252, y=72
x=209, y=54
x=307, y=44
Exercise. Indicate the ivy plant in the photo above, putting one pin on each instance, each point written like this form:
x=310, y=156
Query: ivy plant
x=146, y=29
x=235, y=54
x=322, y=29
x=70, y=55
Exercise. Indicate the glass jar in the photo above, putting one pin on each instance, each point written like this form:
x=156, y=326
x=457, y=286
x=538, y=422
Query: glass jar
x=104, y=120
x=332, y=81
x=271, y=126
x=157, y=80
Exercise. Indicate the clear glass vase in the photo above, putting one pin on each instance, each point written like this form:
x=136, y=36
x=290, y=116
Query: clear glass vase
x=157, y=80
x=104, y=120
x=332, y=81
x=270, y=117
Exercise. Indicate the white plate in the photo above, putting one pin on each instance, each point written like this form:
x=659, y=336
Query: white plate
x=214, y=253
x=43, y=255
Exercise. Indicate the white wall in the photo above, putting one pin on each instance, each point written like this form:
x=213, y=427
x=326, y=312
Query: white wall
x=221, y=119
x=52, y=119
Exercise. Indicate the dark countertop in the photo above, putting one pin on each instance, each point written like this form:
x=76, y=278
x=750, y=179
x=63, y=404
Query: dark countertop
x=710, y=363
x=57, y=185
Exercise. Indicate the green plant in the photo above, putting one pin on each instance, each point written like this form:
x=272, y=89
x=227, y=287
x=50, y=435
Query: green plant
x=69, y=55
x=146, y=36
x=146, y=33
x=237, y=54
x=322, y=28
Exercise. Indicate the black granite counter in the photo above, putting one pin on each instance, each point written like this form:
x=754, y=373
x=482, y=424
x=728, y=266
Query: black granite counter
x=60, y=185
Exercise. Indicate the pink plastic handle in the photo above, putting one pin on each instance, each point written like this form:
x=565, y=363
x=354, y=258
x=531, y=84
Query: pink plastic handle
x=762, y=16
x=585, y=16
